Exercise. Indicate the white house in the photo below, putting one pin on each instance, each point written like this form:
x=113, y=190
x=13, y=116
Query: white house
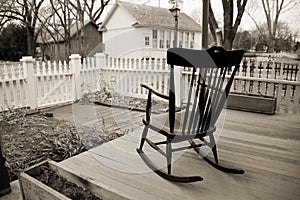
x=133, y=30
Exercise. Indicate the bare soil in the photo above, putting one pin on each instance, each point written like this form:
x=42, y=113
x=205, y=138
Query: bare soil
x=58, y=183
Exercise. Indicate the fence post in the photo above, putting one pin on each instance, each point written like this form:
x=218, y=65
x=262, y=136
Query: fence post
x=100, y=64
x=75, y=62
x=4, y=183
x=31, y=86
x=178, y=85
x=100, y=60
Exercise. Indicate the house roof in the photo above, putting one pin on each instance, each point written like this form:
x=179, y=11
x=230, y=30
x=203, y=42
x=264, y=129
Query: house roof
x=73, y=30
x=150, y=16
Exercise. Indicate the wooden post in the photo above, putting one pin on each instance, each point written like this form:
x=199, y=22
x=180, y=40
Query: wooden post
x=31, y=86
x=75, y=61
x=100, y=60
x=4, y=183
x=100, y=64
x=297, y=100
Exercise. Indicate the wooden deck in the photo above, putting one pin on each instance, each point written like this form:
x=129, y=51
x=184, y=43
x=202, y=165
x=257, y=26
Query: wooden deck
x=267, y=147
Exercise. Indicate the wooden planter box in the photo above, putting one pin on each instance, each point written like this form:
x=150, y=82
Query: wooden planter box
x=33, y=189
x=252, y=103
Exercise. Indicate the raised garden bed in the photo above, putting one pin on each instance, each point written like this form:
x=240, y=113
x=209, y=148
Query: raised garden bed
x=252, y=103
x=46, y=180
x=111, y=99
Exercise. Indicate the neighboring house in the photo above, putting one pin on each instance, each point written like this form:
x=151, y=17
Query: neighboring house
x=83, y=40
x=133, y=30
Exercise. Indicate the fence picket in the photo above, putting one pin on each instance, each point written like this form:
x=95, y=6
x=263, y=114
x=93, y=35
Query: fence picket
x=287, y=98
x=239, y=86
x=10, y=93
x=20, y=73
x=60, y=68
x=54, y=68
x=2, y=93
x=13, y=87
x=23, y=97
x=16, y=96
x=5, y=71
x=38, y=68
x=297, y=100
x=5, y=96
x=279, y=96
x=255, y=87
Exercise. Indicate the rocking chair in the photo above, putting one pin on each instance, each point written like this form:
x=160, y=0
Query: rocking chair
x=212, y=73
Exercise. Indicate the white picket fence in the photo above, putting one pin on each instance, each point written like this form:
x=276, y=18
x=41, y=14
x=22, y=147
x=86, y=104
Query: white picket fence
x=124, y=75
x=278, y=79
x=41, y=84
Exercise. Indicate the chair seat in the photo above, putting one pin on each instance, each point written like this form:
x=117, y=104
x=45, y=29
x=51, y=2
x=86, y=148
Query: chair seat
x=160, y=123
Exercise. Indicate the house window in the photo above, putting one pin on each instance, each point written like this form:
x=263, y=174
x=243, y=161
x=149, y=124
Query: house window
x=162, y=39
x=147, y=40
x=168, y=42
x=187, y=35
x=154, y=39
x=180, y=39
x=192, y=40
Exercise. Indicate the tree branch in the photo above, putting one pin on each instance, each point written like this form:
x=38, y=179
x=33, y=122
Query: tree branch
x=268, y=16
x=255, y=22
x=96, y=16
x=241, y=9
x=213, y=24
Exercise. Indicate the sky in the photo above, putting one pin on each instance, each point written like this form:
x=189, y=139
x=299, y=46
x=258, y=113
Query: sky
x=254, y=7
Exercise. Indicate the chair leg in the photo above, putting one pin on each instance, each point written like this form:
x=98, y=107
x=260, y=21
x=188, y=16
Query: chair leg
x=169, y=155
x=144, y=135
x=214, y=150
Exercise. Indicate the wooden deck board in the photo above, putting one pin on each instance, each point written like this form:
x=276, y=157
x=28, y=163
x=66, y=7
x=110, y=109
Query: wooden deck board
x=267, y=147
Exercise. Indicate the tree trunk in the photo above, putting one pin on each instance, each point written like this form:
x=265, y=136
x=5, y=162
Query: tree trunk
x=271, y=44
x=30, y=42
x=230, y=25
x=228, y=43
x=213, y=24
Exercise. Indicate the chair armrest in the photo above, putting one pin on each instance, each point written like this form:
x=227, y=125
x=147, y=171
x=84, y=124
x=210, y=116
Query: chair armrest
x=156, y=92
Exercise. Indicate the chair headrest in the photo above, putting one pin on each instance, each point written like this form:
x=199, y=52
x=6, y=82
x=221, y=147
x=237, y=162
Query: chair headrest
x=213, y=57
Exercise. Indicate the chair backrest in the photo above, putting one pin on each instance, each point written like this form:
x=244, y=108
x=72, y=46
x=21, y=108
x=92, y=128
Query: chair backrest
x=208, y=86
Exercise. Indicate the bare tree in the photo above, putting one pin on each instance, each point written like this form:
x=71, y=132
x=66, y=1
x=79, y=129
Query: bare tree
x=25, y=11
x=230, y=25
x=62, y=10
x=3, y=18
x=95, y=8
x=72, y=14
x=272, y=10
x=283, y=40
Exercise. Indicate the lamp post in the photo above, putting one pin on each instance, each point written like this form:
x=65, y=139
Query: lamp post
x=175, y=9
x=177, y=71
